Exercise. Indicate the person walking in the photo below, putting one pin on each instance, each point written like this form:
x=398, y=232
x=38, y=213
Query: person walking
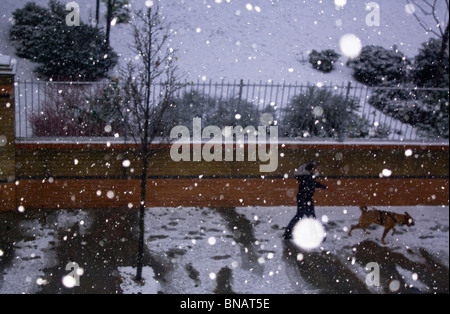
x=305, y=197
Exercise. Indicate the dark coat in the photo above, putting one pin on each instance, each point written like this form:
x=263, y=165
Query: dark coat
x=307, y=188
x=305, y=202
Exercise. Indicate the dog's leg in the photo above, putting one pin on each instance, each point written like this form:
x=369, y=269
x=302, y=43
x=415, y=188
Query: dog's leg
x=353, y=228
x=394, y=231
x=386, y=230
x=350, y=231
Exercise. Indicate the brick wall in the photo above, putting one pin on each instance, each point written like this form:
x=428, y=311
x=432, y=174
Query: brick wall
x=7, y=136
x=87, y=175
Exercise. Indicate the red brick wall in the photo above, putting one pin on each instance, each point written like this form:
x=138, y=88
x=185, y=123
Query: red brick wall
x=7, y=141
x=47, y=177
x=7, y=197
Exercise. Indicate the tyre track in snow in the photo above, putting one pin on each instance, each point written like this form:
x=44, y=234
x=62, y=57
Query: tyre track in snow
x=99, y=242
x=242, y=231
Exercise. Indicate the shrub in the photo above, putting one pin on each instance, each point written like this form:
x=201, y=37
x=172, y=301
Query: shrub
x=426, y=66
x=212, y=110
x=77, y=111
x=62, y=52
x=27, y=32
x=425, y=109
x=321, y=113
x=323, y=61
x=379, y=66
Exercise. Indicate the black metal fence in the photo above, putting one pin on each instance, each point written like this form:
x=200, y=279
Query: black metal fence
x=45, y=109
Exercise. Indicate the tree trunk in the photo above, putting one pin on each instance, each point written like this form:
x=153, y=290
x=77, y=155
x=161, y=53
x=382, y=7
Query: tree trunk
x=144, y=158
x=441, y=57
x=97, y=12
x=110, y=6
x=142, y=205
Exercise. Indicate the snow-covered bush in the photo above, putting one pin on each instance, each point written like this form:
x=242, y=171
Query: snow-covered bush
x=321, y=113
x=426, y=68
x=215, y=111
x=379, y=66
x=62, y=52
x=425, y=109
x=323, y=61
x=232, y=112
x=27, y=32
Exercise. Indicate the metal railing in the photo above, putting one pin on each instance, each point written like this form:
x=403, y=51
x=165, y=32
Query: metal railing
x=34, y=100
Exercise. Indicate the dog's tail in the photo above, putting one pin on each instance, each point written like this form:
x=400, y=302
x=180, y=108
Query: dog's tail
x=363, y=208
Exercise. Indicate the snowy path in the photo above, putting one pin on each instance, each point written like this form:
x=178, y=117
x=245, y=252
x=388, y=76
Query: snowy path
x=35, y=252
x=243, y=247
x=28, y=258
x=208, y=250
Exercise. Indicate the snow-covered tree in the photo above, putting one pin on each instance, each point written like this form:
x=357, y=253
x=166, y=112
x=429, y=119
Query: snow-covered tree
x=428, y=69
x=62, y=52
x=433, y=17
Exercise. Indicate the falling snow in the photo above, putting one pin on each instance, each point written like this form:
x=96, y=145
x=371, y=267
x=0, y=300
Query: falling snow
x=232, y=250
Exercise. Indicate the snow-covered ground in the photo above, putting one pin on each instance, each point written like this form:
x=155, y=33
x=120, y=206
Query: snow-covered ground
x=254, y=40
x=235, y=250
x=35, y=251
x=246, y=243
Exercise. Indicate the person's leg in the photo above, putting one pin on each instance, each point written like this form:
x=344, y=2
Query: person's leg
x=288, y=233
x=300, y=213
x=310, y=211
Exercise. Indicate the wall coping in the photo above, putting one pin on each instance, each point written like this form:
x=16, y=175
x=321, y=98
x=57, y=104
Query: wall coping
x=7, y=65
x=119, y=143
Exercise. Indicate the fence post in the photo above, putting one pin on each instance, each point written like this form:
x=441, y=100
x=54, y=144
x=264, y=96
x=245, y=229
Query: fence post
x=7, y=135
x=343, y=134
x=241, y=88
x=349, y=87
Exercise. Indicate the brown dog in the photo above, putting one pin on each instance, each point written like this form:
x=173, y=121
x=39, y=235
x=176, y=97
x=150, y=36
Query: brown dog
x=383, y=218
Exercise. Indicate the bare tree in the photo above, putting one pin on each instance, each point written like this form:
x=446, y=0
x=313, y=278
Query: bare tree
x=433, y=17
x=143, y=106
